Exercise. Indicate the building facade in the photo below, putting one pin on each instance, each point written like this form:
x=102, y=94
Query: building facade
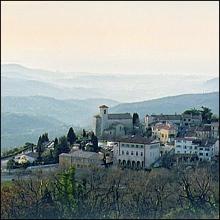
x=80, y=159
x=191, y=120
x=135, y=152
x=150, y=119
x=111, y=125
x=192, y=146
x=165, y=133
x=215, y=129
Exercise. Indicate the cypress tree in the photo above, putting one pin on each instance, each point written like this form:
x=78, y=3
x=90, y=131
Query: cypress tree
x=71, y=137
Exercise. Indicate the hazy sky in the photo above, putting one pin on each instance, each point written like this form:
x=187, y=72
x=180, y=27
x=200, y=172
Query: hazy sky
x=112, y=37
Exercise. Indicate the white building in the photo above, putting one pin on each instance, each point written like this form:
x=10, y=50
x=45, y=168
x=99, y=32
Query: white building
x=136, y=152
x=23, y=158
x=111, y=125
x=192, y=146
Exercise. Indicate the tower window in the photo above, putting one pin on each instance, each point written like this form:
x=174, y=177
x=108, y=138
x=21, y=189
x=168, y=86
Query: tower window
x=104, y=111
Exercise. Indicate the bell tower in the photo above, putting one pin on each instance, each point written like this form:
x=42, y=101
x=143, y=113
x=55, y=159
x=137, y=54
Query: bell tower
x=104, y=116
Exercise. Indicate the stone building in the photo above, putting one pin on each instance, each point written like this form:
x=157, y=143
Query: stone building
x=135, y=152
x=215, y=129
x=111, y=125
x=81, y=159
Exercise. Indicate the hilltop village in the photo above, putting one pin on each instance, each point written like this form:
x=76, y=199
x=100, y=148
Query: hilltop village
x=125, y=141
x=187, y=138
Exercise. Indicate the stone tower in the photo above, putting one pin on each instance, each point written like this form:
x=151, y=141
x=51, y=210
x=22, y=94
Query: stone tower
x=104, y=117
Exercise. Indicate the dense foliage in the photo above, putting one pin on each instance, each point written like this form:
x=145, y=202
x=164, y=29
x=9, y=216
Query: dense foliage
x=114, y=193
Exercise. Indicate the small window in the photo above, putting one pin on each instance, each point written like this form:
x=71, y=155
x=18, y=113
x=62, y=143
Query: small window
x=195, y=148
x=136, y=153
x=189, y=119
x=200, y=148
x=122, y=152
x=127, y=153
x=184, y=119
x=207, y=154
x=185, y=147
x=132, y=145
x=141, y=153
x=132, y=153
x=127, y=145
x=142, y=146
x=206, y=149
x=104, y=111
x=136, y=146
x=201, y=154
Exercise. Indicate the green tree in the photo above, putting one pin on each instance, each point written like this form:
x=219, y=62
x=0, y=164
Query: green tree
x=45, y=137
x=206, y=114
x=39, y=148
x=10, y=165
x=63, y=144
x=135, y=119
x=192, y=111
x=149, y=132
x=84, y=133
x=94, y=141
x=66, y=189
x=56, y=151
x=71, y=136
x=215, y=118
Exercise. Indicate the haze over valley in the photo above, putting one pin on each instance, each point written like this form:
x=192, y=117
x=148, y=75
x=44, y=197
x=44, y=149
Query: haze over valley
x=36, y=101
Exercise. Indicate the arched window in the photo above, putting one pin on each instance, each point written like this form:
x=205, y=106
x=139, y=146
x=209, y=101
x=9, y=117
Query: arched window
x=136, y=153
x=127, y=153
x=132, y=153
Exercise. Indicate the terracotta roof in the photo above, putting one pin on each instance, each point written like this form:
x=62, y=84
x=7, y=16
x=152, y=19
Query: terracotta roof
x=103, y=106
x=135, y=139
x=165, y=126
x=120, y=116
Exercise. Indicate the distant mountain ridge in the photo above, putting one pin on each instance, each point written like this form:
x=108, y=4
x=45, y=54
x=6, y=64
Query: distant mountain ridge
x=18, y=80
x=69, y=111
x=171, y=104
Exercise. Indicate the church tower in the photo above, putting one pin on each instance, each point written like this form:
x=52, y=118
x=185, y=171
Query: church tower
x=104, y=117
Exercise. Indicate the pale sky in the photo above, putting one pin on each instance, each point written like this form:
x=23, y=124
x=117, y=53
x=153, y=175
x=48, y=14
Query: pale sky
x=112, y=37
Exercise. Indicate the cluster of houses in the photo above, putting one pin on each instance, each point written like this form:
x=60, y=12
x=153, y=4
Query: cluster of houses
x=184, y=135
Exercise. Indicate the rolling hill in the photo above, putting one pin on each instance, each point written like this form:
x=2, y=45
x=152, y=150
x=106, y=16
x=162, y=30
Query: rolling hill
x=171, y=104
x=18, y=128
x=25, y=118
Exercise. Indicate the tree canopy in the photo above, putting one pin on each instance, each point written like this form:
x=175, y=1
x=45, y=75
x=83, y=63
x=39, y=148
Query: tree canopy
x=71, y=136
x=135, y=119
